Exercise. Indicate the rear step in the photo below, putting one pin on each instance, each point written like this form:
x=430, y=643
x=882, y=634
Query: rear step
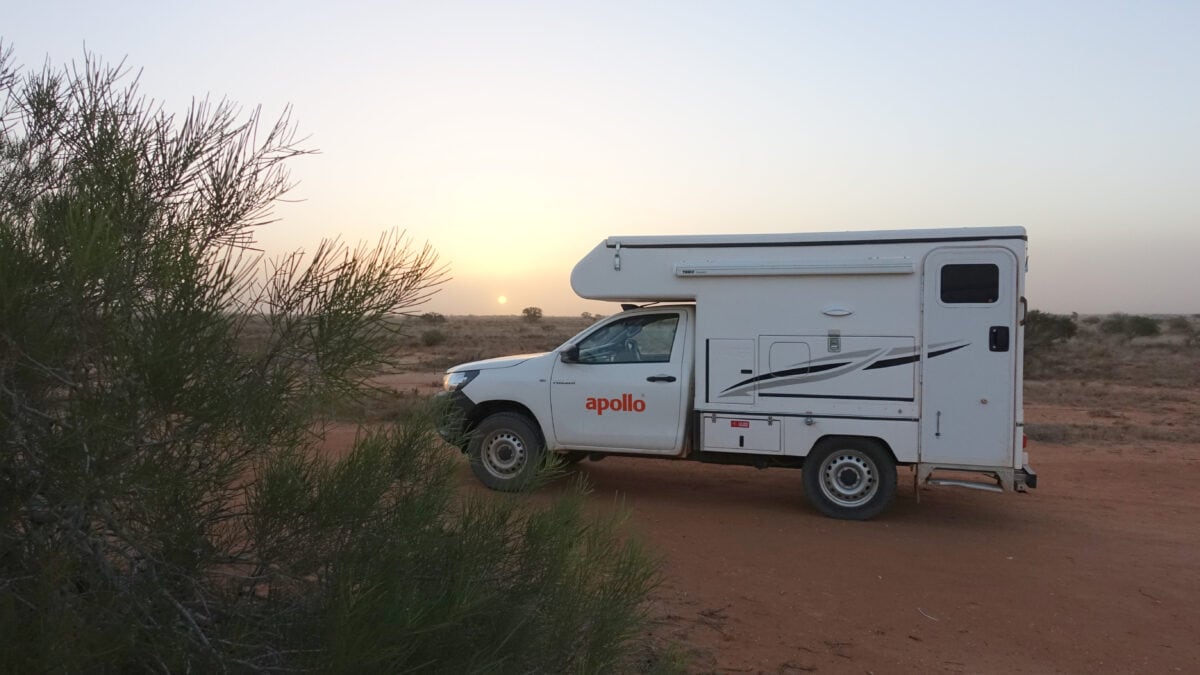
x=966, y=484
x=991, y=479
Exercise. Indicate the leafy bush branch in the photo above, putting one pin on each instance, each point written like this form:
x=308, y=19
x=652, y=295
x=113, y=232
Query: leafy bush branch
x=165, y=503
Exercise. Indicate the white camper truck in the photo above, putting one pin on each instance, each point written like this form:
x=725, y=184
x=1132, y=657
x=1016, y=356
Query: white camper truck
x=845, y=354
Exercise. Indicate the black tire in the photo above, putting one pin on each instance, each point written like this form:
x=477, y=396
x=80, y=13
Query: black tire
x=850, y=478
x=506, y=451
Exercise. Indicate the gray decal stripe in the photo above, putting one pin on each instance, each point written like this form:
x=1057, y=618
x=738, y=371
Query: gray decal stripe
x=822, y=417
x=940, y=352
x=947, y=351
x=842, y=356
x=797, y=375
x=814, y=374
x=804, y=370
x=899, y=361
x=888, y=363
x=841, y=398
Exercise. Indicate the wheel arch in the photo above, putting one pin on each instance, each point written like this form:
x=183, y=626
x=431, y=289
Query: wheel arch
x=488, y=408
x=829, y=439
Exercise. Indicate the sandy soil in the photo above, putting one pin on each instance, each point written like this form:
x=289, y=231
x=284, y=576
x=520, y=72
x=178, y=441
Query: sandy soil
x=1098, y=569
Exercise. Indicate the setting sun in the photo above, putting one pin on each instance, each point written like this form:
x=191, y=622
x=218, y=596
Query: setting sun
x=502, y=299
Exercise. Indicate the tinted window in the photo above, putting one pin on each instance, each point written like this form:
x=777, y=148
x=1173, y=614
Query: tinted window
x=638, y=339
x=970, y=284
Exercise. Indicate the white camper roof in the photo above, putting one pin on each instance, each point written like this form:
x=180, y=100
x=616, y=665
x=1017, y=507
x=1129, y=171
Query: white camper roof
x=667, y=268
x=817, y=238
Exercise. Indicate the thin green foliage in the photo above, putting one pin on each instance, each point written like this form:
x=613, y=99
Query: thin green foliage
x=1130, y=326
x=1044, y=334
x=164, y=501
x=487, y=586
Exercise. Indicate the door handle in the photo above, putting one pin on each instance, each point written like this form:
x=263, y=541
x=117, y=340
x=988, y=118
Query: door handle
x=998, y=338
x=661, y=378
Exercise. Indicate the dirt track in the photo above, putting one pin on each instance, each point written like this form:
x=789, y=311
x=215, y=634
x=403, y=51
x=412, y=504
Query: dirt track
x=1096, y=570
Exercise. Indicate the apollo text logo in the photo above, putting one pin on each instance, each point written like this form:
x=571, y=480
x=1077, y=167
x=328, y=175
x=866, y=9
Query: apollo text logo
x=627, y=403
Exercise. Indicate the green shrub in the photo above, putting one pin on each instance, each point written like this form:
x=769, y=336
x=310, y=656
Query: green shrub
x=1043, y=329
x=1044, y=332
x=433, y=317
x=1128, y=327
x=164, y=502
x=433, y=337
x=1179, y=324
x=1143, y=326
x=532, y=313
x=421, y=579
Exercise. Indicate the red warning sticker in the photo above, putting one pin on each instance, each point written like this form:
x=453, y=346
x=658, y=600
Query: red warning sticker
x=741, y=424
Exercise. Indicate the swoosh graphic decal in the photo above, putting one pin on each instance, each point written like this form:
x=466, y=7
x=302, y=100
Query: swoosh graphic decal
x=790, y=372
x=820, y=365
x=900, y=361
x=811, y=373
x=835, y=366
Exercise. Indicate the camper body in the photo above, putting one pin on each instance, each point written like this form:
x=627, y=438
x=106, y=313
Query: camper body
x=845, y=354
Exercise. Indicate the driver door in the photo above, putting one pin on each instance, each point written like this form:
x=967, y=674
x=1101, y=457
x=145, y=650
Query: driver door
x=624, y=392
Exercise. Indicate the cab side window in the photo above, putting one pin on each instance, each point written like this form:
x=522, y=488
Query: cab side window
x=646, y=338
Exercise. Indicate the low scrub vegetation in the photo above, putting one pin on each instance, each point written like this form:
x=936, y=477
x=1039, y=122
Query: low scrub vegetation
x=1129, y=327
x=1114, y=347
x=1088, y=368
x=433, y=317
x=470, y=338
x=1044, y=330
x=430, y=338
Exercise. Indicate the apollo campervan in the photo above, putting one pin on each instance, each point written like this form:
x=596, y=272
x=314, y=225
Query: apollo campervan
x=845, y=354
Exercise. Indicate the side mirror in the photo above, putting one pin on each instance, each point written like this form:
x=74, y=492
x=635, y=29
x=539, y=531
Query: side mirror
x=570, y=354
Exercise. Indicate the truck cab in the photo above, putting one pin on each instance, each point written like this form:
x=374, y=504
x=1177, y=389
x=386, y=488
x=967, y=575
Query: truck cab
x=622, y=386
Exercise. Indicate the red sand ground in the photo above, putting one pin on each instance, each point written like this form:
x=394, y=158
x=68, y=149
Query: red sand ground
x=1098, y=569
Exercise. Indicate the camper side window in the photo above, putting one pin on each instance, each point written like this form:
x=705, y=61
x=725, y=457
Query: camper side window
x=977, y=284
x=646, y=338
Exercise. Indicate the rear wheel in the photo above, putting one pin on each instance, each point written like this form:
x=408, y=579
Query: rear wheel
x=850, y=478
x=506, y=451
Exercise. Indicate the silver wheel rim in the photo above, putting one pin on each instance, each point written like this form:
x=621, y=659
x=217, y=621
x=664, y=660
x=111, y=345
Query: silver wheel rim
x=504, y=454
x=849, y=478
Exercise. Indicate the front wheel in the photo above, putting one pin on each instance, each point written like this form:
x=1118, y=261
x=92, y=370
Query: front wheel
x=506, y=451
x=850, y=478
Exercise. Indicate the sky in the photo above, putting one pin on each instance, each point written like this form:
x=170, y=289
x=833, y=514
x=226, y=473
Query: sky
x=515, y=136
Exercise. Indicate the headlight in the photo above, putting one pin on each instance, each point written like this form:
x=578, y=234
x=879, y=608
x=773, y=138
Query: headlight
x=458, y=379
